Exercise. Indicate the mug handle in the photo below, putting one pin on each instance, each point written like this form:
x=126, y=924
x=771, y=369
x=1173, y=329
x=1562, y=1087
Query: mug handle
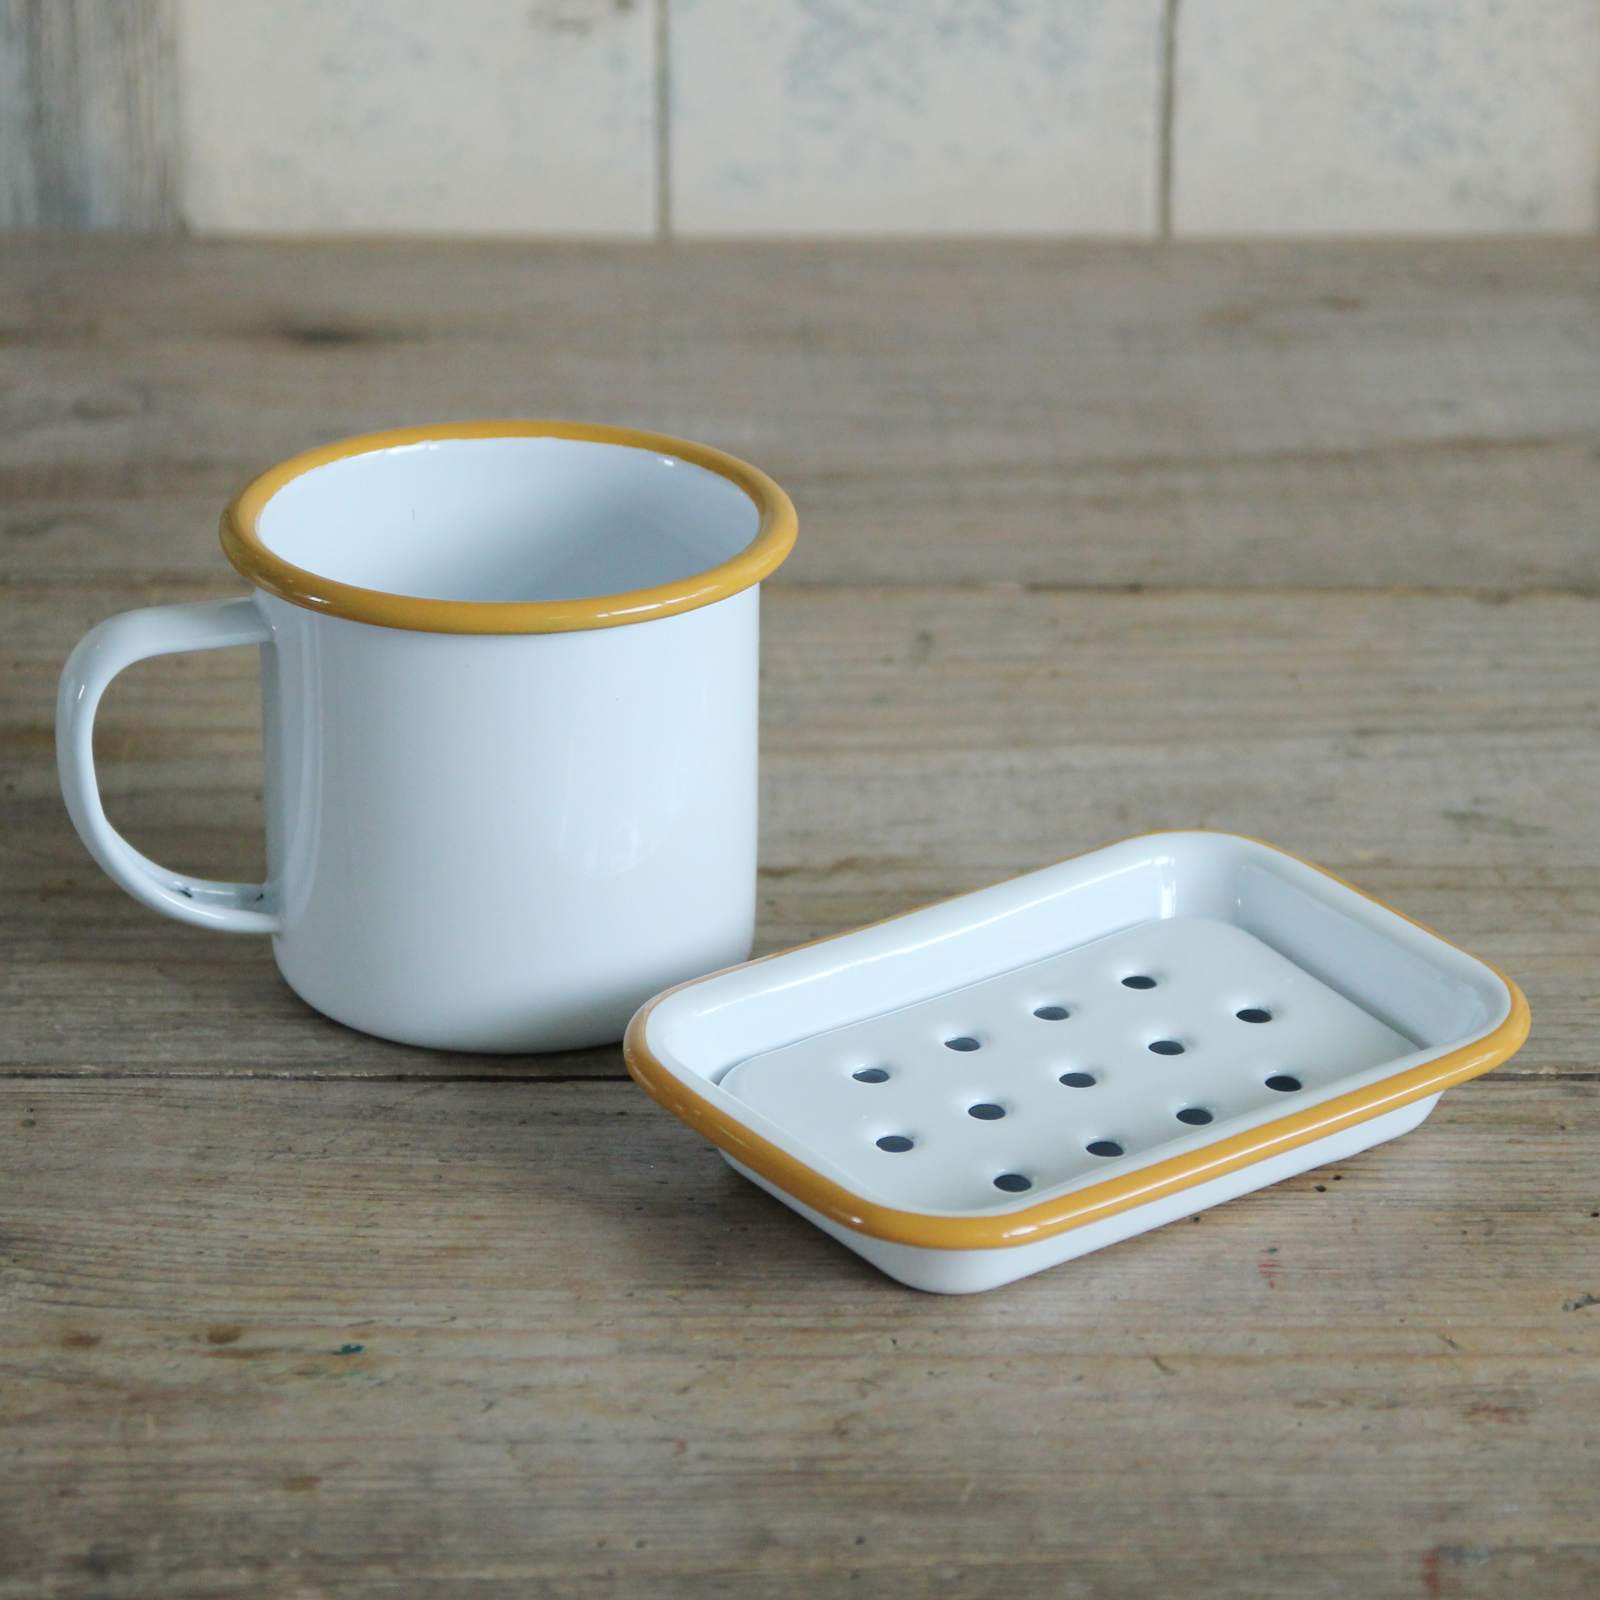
x=100, y=655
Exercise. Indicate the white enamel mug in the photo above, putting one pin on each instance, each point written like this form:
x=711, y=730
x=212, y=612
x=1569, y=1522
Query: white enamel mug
x=509, y=693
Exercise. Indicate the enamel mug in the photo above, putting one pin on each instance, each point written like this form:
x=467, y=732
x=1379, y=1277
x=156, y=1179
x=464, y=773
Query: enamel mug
x=509, y=693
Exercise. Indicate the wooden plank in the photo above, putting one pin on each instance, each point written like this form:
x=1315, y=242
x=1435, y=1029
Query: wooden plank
x=475, y=1335
x=1234, y=416
x=1440, y=750
x=276, y=1339
x=88, y=96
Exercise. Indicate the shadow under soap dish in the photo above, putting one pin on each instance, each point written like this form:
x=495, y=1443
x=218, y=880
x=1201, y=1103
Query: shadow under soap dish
x=988, y=1086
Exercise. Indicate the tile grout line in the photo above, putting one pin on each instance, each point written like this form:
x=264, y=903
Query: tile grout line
x=175, y=197
x=1166, y=116
x=663, y=120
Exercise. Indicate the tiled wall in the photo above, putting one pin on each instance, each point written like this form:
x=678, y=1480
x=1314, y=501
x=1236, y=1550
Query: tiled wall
x=889, y=116
x=718, y=117
x=1386, y=116
x=455, y=116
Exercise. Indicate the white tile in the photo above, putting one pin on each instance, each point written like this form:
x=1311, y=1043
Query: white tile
x=477, y=116
x=1387, y=116
x=914, y=116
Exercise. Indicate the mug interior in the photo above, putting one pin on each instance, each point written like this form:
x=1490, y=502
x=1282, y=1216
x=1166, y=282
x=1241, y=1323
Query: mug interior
x=508, y=519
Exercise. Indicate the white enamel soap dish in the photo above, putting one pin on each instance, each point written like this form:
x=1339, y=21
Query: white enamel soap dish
x=988, y=1086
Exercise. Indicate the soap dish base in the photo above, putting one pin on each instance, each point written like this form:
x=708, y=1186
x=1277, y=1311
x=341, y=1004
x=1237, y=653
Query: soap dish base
x=969, y=1271
x=985, y=1087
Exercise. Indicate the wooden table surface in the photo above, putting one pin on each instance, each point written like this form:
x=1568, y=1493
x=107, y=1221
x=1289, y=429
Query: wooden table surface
x=1298, y=541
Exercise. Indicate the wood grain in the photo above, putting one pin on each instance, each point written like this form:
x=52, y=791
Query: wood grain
x=363, y=1339
x=1254, y=416
x=917, y=742
x=1294, y=541
x=88, y=115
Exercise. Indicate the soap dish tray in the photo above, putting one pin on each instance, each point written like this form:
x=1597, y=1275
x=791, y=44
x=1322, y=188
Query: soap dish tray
x=989, y=1086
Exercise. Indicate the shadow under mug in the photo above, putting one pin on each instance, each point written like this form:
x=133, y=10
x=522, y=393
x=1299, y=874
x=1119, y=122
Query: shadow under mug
x=509, y=698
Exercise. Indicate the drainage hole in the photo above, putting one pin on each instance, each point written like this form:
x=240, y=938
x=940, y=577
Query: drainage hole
x=1253, y=1014
x=1195, y=1116
x=1103, y=1147
x=1283, y=1083
x=962, y=1041
x=1051, y=1013
x=1166, y=1047
x=894, y=1143
x=1013, y=1182
x=1138, y=981
x=1078, y=1080
x=871, y=1075
x=985, y=1112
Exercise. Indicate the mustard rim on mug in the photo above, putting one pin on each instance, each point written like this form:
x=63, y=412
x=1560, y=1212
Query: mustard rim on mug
x=244, y=548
